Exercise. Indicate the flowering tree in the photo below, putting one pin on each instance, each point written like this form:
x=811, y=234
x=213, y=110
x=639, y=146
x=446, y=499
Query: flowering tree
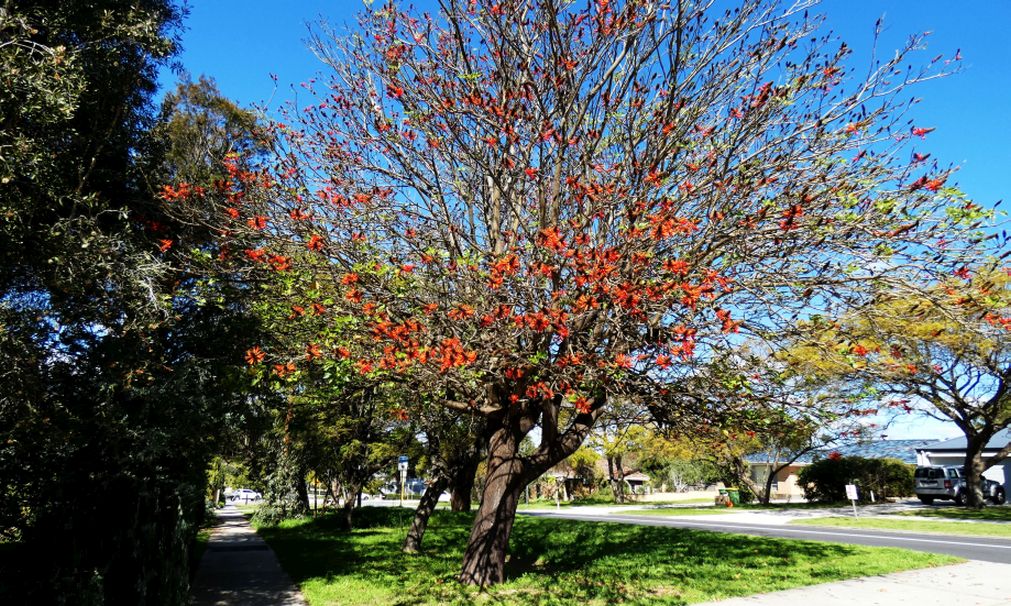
x=943, y=351
x=535, y=208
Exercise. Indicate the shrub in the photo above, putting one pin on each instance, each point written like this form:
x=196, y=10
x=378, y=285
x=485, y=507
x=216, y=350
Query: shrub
x=825, y=480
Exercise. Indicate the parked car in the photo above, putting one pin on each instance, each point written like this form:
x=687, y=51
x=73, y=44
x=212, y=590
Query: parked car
x=414, y=487
x=243, y=495
x=947, y=482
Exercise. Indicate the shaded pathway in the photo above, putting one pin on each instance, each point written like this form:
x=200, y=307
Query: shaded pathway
x=239, y=568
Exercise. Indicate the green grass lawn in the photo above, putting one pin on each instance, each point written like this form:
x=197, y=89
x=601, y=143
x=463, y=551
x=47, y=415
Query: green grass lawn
x=555, y=562
x=977, y=529
x=987, y=514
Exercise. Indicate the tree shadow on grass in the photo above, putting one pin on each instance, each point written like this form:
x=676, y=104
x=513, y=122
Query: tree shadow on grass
x=560, y=561
x=324, y=548
x=618, y=562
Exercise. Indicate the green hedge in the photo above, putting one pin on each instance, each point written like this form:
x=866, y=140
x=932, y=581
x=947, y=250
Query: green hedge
x=825, y=480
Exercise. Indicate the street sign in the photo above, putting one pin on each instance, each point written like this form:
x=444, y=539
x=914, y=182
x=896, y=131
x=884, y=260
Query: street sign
x=402, y=468
x=851, y=494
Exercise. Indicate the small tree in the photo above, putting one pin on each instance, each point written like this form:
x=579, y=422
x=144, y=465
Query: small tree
x=943, y=350
x=621, y=435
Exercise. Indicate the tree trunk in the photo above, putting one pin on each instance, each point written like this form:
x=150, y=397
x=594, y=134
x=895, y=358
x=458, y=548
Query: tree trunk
x=766, y=495
x=302, y=506
x=462, y=485
x=331, y=493
x=484, y=559
x=974, y=472
x=742, y=476
x=617, y=477
x=412, y=543
x=508, y=473
x=347, y=511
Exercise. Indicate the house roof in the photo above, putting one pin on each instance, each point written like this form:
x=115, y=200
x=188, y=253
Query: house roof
x=998, y=441
x=903, y=450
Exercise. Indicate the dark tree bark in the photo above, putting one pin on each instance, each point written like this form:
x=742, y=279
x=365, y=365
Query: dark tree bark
x=740, y=475
x=774, y=468
x=974, y=469
x=412, y=543
x=302, y=506
x=508, y=473
x=766, y=495
x=484, y=559
x=462, y=484
x=348, y=506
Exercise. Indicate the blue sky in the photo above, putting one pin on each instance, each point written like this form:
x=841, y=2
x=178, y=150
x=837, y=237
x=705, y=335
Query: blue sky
x=240, y=43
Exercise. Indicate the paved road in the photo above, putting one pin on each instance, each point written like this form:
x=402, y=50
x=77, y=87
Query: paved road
x=972, y=548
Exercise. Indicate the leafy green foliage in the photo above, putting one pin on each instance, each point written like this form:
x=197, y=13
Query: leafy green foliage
x=825, y=480
x=117, y=356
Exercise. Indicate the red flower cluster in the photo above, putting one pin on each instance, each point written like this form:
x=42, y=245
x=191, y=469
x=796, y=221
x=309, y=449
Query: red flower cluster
x=460, y=312
x=315, y=243
x=451, y=354
x=254, y=355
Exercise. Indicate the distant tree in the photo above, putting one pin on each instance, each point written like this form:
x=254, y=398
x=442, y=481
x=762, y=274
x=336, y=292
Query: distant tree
x=621, y=434
x=198, y=128
x=453, y=445
x=943, y=350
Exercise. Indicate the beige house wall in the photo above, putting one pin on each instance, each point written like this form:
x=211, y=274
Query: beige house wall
x=787, y=484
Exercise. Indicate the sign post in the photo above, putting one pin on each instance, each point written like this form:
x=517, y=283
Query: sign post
x=402, y=468
x=851, y=494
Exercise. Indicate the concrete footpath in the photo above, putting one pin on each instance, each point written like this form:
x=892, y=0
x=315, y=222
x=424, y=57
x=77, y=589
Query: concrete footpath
x=969, y=584
x=239, y=568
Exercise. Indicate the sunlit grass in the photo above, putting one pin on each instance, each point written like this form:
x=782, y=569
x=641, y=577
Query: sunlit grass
x=976, y=529
x=990, y=514
x=556, y=562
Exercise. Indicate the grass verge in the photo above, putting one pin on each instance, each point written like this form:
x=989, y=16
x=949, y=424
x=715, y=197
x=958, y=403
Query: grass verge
x=974, y=529
x=555, y=562
x=987, y=514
